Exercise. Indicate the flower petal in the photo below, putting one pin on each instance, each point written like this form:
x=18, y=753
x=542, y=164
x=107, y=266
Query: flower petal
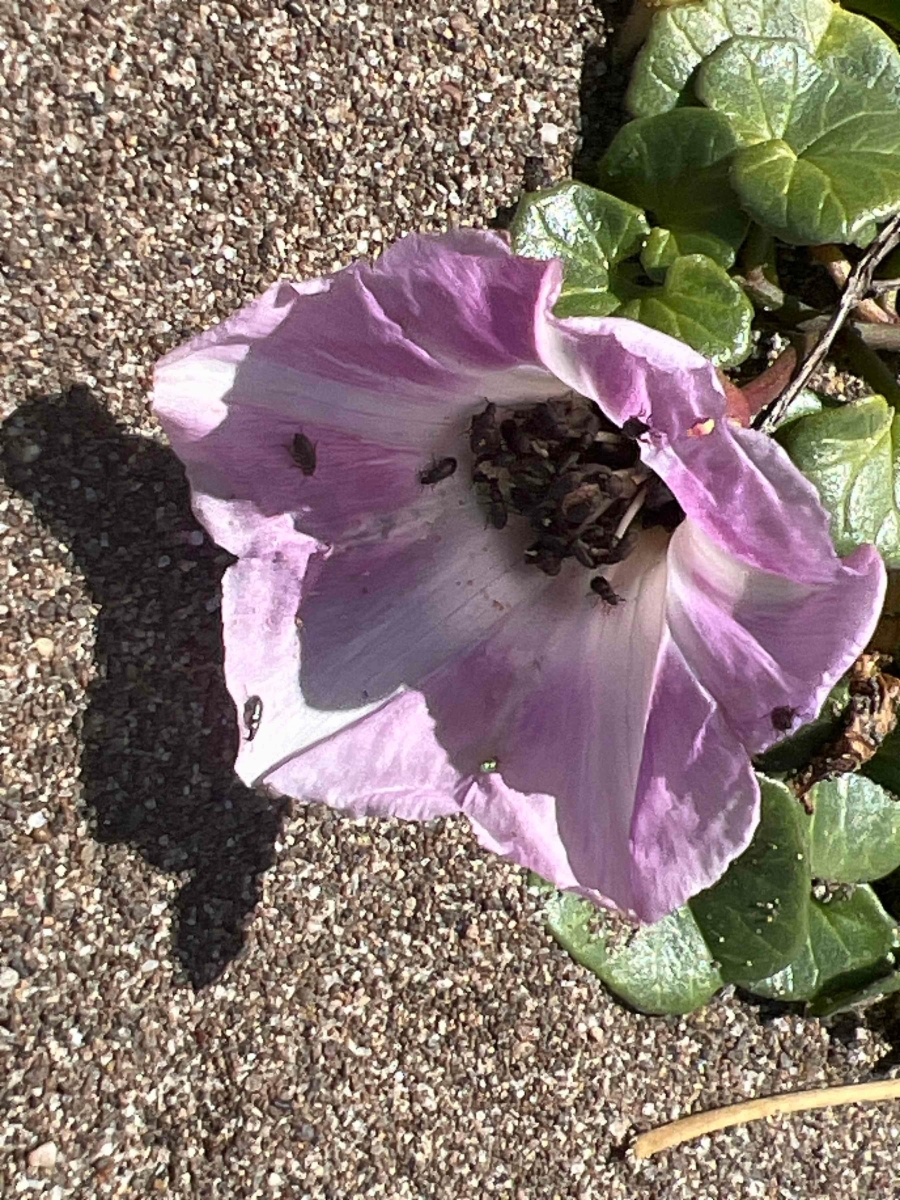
x=379, y=367
x=738, y=484
x=617, y=774
x=761, y=641
x=558, y=696
x=698, y=800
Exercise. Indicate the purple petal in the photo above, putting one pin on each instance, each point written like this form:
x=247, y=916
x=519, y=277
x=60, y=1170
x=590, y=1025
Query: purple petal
x=559, y=698
x=698, y=800
x=380, y=366
x=618, y=775
x=372, y=760
x=760, y=640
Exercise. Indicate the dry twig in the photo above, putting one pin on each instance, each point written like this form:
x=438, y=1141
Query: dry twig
x=858, y=284
x=700, y=1124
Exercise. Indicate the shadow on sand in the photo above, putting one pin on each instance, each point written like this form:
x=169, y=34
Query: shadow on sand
x=159, y=731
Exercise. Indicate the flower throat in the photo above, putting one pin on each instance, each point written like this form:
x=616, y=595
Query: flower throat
x=575, y=476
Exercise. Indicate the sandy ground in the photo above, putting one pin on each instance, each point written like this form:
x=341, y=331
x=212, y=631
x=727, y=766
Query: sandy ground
x=204, y=993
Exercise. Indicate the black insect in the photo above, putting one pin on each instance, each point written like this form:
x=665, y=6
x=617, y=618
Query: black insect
x=303, y=452
x=253, y=708
x=484, y=432
x=604, y=589
x=634, y=427
x=437, y=469
x=783, y=718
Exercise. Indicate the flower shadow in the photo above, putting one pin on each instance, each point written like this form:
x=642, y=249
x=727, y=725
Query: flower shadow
x=159, y=730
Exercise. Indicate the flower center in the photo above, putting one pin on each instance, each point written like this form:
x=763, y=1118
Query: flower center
x=576, y=477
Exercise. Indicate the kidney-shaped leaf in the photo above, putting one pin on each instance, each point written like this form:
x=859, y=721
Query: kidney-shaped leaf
x=854, y=830
x=676, y=167
x=849, y=939
x=755, y=919
x=680, y=38
x=851, y=455
x=700, y=304
x=661, y=968
x=590, y=231
x=820, y=156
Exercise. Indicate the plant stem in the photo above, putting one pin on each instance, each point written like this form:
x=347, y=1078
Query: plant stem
x=754, y=1110
x=857, y=286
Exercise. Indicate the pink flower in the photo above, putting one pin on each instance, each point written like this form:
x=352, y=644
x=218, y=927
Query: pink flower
x=389, y=651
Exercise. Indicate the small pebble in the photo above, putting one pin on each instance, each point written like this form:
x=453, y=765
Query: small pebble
x=43, y=1156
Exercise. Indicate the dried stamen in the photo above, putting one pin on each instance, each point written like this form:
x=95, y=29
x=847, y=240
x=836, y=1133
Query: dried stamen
x=574, y=476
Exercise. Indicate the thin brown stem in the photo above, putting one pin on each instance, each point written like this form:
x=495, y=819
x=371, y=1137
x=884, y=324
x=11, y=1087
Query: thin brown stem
x=857, y=286
x=701, y=1124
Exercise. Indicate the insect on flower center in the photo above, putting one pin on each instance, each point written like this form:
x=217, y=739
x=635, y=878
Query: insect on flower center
x=575, y=477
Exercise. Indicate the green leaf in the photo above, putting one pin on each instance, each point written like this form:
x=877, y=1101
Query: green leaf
x=849, y=939
x=659, y=252
x=851, y=456
x=660, y=968
x=797, y=750
x=755, y=919
x=850, y=993
x=854, y=830
x=590, y=232
x=802, y=405
x=593, y=233
x=700, y=304
x=885, y=10
x=820, y=156
x=675, y=166
x=681, y=38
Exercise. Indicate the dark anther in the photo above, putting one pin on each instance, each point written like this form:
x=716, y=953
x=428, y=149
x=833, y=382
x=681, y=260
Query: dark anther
x=575, y=476
x=544, y=558
x=497, y=513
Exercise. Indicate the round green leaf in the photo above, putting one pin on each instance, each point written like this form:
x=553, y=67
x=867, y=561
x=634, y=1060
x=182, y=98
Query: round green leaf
x=755, y=919
x=700, y=304
x=660, y=968
x=854, y=992
x=849, y=939
x=854, y=830
x=820, y=156
x=851, y=455
x=676, y=167
x=681, y=38
x=590, y=232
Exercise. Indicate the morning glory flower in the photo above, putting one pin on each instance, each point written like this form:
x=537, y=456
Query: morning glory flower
x=497, y=563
